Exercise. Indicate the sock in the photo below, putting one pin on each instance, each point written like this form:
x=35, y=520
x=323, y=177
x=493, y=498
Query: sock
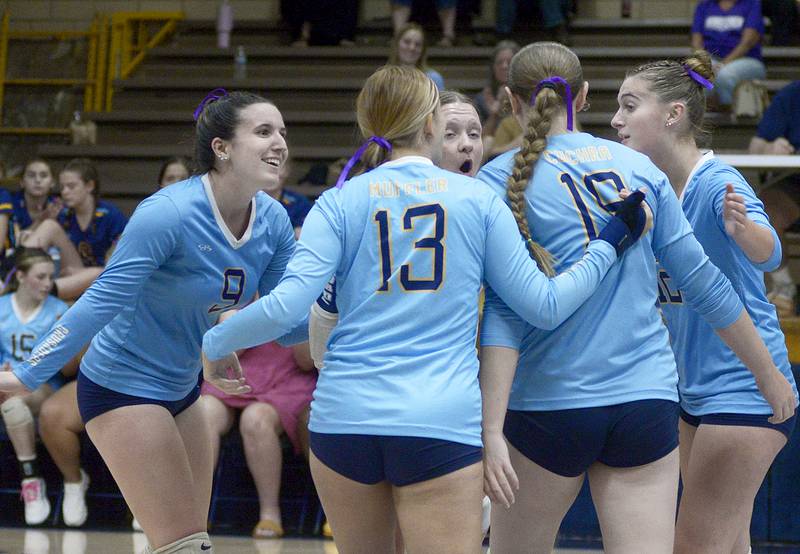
x=29, y=468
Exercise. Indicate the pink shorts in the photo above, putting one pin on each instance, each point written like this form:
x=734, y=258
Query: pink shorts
x=272, y=373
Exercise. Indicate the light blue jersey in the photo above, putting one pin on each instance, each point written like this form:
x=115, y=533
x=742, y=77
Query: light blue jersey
x=410, y=245
x=18, y=336
x=176, y=268
x=712, y=378
x=615, y=348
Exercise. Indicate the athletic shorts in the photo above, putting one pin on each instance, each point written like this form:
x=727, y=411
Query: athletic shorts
x=741, y=420
x=567, y=442
x=94, y=400
x=370, y=459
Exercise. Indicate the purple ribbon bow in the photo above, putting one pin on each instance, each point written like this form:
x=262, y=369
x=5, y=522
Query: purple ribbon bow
x=696, y=77
x=380, y=141
x=215, y=94
x=552, y=82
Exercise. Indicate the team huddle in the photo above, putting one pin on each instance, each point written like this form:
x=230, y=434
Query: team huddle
x=625, y=313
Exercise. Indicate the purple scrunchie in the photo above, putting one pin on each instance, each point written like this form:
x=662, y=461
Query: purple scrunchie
x=380, y=141
x=697, y=78
x=551, y=83
x=215, y=94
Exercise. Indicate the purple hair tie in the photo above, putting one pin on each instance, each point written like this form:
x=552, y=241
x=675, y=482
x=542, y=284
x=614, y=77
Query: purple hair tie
x=215, y=94
x=697, y=78
x=8, y=278
x=551, y=83
x=380, y=141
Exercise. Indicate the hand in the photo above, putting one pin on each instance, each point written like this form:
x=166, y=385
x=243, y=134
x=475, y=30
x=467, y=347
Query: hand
x=734, y=212
x=225, y=374
x=624, y=193
x=499, y=478
x=53, y=208
x=781, y=147
x=778, y=392
x=10, y=385
x=631, y=220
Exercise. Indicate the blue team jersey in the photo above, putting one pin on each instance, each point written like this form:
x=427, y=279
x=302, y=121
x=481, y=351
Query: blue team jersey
x=409, y=245
x=176, y=268
x=615, y=348
x=297, y=206
x=712, y=378
x=19, y=336
x=99, y=236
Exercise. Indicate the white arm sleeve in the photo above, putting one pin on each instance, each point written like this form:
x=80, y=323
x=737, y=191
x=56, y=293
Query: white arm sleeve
x=320, y=324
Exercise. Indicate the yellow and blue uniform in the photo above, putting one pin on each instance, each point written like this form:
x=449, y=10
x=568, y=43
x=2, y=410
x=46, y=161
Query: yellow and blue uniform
x=410, y=245
x=18, y=336
x=102, y=232
x=297, y=206
x=615, y=349
x=712, y=378
x=176, y=267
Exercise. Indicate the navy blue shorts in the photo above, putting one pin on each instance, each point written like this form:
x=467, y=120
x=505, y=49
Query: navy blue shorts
x=567, y=442
x=94, y=400
x=370, y=459
x=741, y=420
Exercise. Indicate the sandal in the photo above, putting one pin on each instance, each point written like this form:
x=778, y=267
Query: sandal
x=267, y=529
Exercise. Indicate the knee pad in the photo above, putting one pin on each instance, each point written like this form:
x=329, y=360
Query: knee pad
x=198, y=543
x=16, y=413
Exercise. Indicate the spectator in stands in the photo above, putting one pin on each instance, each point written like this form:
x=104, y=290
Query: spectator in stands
x=173, y=169
x=401, y=11
x=783, y=17
x=409, y=48
x=282, y=381
x=322, y=22
x=489, y=101
x=554, y=18
x=86, y=232
x=779, y=133
x=26, y=314
x=731, y=31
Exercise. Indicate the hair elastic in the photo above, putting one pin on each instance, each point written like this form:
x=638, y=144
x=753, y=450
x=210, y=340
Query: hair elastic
x=551, y=83
x=697, y=78
x=212, y=96
x=380, y=141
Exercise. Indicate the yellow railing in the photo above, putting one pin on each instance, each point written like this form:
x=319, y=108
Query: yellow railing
x=116, y=47
x=92, y=84
x=130, y=42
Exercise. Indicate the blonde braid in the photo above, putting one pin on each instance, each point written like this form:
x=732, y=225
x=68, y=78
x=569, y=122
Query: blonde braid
x=534, y=141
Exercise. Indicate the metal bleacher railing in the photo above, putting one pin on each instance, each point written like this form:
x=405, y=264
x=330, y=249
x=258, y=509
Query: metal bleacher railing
x=116, y=45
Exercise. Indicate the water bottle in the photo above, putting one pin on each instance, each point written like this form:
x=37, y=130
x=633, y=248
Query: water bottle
x=224, y=24
x=240, y=63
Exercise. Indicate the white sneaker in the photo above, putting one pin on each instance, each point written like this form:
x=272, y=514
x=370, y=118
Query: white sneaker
x=74, y=508
x=37, y=506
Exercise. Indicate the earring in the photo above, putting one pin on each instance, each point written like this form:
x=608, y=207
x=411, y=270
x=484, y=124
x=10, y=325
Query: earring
x=586, y=107
x=223, y=158
x=669, y=123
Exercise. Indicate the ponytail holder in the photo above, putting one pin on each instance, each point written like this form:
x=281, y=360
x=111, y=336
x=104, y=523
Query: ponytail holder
x=551, y=83
x=697, y=78
x=380, y=141
x=8, y=278
x=212, y=96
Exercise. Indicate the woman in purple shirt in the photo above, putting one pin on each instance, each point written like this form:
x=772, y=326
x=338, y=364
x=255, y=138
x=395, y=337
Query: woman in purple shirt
x=731, y=31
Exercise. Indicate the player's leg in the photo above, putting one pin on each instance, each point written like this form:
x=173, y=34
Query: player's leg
x=636, y=505
x=442, y=514
x=349, y=474
x=220, y=420
x=531, y=524
x=143, y=448
x=634, y=483
x=727, y=465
